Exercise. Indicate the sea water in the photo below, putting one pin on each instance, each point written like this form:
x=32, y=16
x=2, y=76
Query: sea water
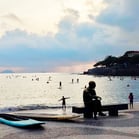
x=42, y=90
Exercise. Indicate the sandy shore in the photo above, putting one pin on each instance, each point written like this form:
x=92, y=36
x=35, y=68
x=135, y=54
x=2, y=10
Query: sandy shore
x=126, y=125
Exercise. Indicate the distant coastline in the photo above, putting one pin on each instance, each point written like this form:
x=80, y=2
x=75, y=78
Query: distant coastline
x=7, y=71
x=126, y=65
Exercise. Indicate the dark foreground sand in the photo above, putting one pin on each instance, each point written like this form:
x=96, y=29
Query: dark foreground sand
x=125, y=126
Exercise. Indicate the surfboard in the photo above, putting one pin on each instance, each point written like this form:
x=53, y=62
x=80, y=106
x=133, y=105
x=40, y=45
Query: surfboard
x=18, y=121
x=47, y=116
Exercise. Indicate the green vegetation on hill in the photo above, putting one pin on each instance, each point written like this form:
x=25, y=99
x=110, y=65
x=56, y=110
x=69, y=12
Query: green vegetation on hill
x=112, y=61
x=126, y=65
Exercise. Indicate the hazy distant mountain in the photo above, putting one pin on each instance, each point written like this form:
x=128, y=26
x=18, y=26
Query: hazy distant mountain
x=7, y=71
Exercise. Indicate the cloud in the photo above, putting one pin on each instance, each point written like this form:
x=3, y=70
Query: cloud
x=9, y=22
x=120, y=13
x=12, y=17
x=120, y=24
x=76, y=44
x=20, y=49
x=72, y=12
x=30, y=51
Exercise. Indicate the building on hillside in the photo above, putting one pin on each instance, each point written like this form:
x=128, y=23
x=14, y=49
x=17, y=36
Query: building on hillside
x=131, y=53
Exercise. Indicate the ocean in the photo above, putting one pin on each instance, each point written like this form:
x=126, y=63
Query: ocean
x=27, y=91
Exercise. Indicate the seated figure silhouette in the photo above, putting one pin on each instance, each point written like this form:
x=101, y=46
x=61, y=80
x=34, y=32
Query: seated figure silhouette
x=92, y=102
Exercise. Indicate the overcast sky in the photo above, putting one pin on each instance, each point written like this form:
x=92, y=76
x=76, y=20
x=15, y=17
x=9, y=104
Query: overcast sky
x=65, y=35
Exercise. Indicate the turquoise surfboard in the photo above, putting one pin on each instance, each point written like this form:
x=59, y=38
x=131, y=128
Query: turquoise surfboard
x=15, y=121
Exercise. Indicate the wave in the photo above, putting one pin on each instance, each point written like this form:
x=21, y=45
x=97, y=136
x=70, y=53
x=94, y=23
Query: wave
x=28, y=107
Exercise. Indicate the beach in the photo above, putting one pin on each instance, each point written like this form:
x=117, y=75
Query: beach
x=126, y=125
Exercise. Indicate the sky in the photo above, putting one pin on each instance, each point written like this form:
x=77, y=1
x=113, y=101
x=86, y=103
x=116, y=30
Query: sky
x=65, y=35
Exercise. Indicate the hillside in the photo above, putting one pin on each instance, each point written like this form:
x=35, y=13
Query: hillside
x=125, y=65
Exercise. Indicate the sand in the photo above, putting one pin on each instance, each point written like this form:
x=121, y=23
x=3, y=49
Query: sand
x=126, y=125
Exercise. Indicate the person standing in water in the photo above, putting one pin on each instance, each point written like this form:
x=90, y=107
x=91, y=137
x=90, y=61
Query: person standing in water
x=63, y=99
x=60, y=85
x=72, y=80
x=131, y=97
x=77, y=80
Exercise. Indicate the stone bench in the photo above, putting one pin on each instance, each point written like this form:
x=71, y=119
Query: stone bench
x=112, y=109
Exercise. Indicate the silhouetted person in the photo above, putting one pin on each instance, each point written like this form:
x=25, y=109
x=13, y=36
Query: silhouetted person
x=63, y=99
x=49, y=78
x=131, y=97
x=72, y=80
x=92, y=101
x=60, y=84
x=77, y=80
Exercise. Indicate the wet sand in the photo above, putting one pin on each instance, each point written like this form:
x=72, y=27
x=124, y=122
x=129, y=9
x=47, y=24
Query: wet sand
x=126, y=125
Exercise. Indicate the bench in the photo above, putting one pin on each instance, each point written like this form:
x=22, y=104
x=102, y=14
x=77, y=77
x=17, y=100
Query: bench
x=112, y=109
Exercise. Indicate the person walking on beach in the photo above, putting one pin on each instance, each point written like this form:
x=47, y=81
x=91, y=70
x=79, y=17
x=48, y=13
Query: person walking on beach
x=131, y=97
x=63, y=99
x=92, y=101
